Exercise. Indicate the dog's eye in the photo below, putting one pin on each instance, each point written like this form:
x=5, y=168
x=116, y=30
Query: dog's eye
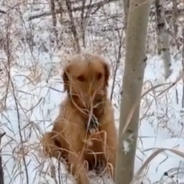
x=99, y=76
x=81, y=78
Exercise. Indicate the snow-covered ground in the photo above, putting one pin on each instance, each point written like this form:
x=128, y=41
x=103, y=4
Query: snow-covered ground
x=29, y=101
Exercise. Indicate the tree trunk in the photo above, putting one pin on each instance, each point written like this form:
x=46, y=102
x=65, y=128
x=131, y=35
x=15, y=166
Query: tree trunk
x=73, y=27
x=175, y=22
x=183, y=68
x=1, y=167
x=163, y=37
x=126, y=4
x=135, y=63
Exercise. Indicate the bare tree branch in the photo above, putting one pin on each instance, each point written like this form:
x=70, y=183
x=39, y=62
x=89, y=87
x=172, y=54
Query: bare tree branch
x=54, y=20
x=60, y=5
x=2, y=11
x=96, y=6
x=83, y=20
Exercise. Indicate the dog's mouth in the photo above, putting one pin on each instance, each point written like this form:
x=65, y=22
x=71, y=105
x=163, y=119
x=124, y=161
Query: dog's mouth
x=95, y=102
x=98, y=101
x=91, y=107
x=87, y=101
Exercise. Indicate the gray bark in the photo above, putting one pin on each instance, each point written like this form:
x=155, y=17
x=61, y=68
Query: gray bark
x=54, y=19
x=135, y=63
x=183, y=69
x=163, y=37
x=1, y=167
x=175, y=25
x=73, y=27
x=126, y=4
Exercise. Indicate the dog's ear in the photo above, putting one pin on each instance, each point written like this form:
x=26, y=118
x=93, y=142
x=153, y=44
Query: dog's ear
x=106, y=72
x=65, y=77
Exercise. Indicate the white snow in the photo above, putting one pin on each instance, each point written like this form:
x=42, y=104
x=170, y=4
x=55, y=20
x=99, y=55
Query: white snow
x=29, y=102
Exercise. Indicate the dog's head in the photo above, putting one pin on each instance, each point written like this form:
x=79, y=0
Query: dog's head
x=86, y=80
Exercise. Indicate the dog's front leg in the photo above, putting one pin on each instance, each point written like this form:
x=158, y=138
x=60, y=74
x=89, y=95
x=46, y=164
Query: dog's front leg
x=49, y=146
x=78, y=168
x=76, y=157
x=110, y=145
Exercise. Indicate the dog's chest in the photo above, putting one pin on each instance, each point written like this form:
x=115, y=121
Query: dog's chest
x=93, y=121
x=95, y=138
x=95, y=141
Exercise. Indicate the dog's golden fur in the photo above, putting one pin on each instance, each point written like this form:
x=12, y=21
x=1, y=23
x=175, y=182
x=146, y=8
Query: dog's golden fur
x=85, y=129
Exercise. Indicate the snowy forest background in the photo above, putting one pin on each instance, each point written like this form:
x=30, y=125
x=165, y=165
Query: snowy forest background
x=37, y=36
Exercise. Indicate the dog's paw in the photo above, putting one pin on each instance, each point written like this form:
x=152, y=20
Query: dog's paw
x=100, y=168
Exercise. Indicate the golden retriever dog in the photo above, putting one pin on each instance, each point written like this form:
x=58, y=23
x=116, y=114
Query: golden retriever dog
x=84, y=132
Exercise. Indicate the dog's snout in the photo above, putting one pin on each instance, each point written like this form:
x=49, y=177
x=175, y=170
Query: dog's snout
x=101, y=93
x=99, y=97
